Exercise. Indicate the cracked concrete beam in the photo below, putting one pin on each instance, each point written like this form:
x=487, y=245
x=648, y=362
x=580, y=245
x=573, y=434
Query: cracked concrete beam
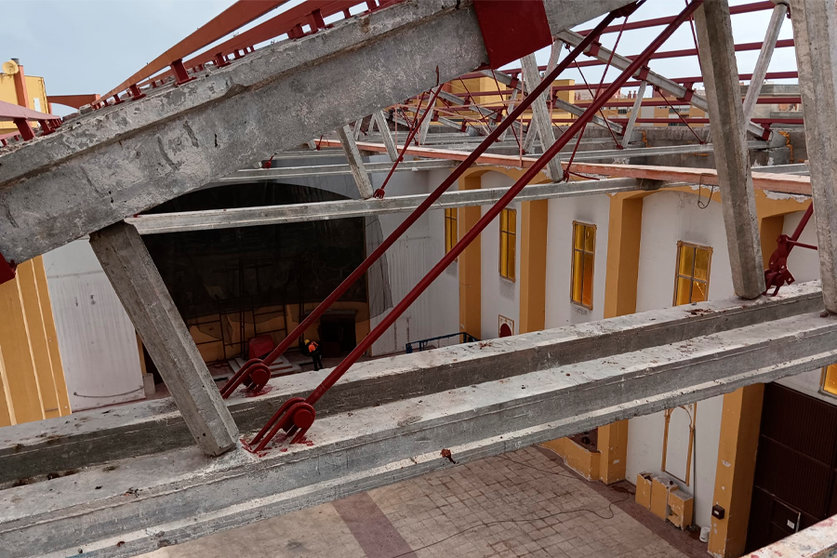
x=106, y=165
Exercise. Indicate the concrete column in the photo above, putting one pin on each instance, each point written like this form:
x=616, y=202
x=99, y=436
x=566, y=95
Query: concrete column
x=364, y=185
x=540, y=115
x=780, y=11
x=140, y=287
x=386, y=135
x=629, y=127
x=720, y=74
x=815, y=36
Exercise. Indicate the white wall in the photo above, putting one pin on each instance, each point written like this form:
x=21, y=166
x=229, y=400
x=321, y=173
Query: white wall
x=593, y=210
x=500, y=296
x=436, y=311
x=96, y=338
x=666, y=218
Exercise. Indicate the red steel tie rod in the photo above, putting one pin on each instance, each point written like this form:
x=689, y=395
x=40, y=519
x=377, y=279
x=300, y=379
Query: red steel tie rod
x=255, y=372
x=296, y=415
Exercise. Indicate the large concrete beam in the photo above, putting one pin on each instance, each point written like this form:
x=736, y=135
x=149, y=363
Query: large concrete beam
x=104, y=166
x=720, y=74
x=90, y=438
x=540, y=116
x=356, y=164
x=159, y=223
x=181, y=495
x=141, y=290
x=815, y=37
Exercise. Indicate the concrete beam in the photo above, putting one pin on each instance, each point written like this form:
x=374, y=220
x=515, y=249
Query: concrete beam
x=141, y=290
x=181, y=495
x=159, y=223
x=386, y=134
x=780, y=12
x=816, y=541
x=720, y=75
x=629, y=127
x=356, y=165
x=540, y=115
x=815, y=37
x=116, y=162
x=603, y=54
x=90, y=438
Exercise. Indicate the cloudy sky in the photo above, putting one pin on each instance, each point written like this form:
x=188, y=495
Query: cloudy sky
x=89, y=46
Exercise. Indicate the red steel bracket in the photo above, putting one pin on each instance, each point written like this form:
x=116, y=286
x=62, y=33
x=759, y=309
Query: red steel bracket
x=512, y=28
x=7, y=270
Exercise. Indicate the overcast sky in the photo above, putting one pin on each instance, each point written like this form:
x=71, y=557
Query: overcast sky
x=90, y=46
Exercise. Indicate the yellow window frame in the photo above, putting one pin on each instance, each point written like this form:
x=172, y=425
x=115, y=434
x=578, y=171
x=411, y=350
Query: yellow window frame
x=828, y=381
x=691, y=273
x=508, y=237
x=582, y=264
x=451, y=228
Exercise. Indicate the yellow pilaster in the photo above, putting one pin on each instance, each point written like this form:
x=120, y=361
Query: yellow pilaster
x=734, y=473
x=623, y=240
x=52, y=339
x=470, y=276
x=534, y=222
x=24, y=391
x=31, y=302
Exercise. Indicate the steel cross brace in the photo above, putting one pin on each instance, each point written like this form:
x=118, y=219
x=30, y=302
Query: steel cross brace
x=296, y=416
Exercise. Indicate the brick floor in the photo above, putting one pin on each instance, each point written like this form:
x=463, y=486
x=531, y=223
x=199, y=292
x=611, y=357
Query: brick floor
x=524, y=503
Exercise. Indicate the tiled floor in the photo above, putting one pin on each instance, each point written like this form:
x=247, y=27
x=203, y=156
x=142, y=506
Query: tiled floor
x=524, y=503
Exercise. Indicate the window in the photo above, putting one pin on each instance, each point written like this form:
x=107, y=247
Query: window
x=691, y=282
x=828, y=383
x=508, y=226
x=451, y=232
x=584, y=252
x=622, y=110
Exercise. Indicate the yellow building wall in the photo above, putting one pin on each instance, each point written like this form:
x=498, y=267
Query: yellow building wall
x=36, y=92
x=32, y=383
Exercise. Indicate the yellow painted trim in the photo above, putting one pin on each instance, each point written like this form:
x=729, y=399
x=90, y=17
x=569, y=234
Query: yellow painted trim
x=613, y=445
x=38, y=338
x=24, y=391
x=769, y=230
x=533, y=230
x=623, y=242
x=735, y=471
x=52, y=338
x=578, y=458
x=470, y=264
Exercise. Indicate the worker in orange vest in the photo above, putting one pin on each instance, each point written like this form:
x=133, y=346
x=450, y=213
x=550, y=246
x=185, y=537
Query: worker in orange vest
x=313, y=350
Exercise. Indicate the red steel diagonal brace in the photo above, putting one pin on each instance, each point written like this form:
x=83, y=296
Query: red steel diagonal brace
x=297, y=416
x=243, y=373
x=777, y=272
x=7, y=270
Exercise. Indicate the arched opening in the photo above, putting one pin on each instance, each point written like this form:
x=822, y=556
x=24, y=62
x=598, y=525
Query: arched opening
x=232, y=285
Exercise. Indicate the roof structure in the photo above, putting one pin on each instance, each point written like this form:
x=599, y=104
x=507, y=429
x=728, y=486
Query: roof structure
x=355, y=75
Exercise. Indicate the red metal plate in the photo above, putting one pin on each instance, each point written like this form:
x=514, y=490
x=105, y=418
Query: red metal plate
x=512, y=28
